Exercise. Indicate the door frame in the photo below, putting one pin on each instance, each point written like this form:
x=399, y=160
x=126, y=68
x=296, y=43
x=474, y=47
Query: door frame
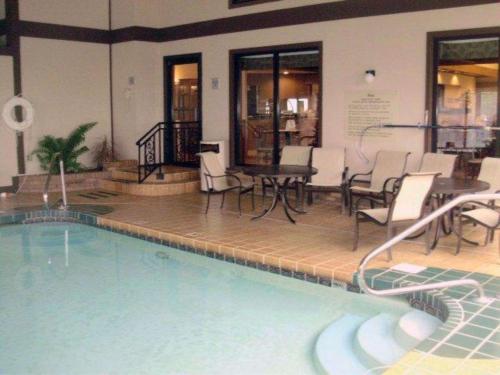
x=235, y=107
x=168, y=81
x=431, y=86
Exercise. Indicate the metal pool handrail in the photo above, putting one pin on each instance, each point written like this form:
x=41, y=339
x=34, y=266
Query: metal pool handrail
x=412, y=229
x=63, y=183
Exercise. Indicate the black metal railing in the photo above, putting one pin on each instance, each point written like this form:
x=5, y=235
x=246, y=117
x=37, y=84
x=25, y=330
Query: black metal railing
x=186, y=137
x=168, y=143
x=151, y=151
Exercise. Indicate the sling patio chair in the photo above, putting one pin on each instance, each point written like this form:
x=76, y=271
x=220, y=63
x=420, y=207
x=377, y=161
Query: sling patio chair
x=490, y=173
x=389, y=166
x=331, y=176
x=407, y=207
x=220, y=181
x=292, y=155
x=484, y=214
x=439, y=163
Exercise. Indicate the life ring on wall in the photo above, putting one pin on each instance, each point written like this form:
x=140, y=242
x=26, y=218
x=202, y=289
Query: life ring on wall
x=9, y=116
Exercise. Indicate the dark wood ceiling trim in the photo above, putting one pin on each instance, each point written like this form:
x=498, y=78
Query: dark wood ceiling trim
x=62, y=32
x=286, y=17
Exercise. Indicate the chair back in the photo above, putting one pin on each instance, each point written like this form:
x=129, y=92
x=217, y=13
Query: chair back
x=388, y=164
x=490, y=173
x=330, y=163
x=438, y=163
x=414, y=190
x=296, y=155
x=213, y=168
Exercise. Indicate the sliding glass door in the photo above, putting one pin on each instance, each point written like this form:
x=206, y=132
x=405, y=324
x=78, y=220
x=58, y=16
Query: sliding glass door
x=466, y=103
x=277, y=102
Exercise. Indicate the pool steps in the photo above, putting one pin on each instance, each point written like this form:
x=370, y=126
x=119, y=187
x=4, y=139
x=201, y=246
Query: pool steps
x=353, y=344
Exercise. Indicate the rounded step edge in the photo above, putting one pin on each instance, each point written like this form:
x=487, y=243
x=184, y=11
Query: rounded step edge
x=414, y=327
x=375, y=344
x=333, y=351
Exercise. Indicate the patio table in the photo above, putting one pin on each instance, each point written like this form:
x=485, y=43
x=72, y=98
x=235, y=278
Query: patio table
x=273, y=173
x=446, y=189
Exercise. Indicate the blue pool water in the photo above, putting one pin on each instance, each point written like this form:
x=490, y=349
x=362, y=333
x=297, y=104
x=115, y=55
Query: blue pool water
x=76, y=299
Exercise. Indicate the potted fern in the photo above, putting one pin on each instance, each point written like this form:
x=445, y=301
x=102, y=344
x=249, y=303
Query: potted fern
x=67, y=149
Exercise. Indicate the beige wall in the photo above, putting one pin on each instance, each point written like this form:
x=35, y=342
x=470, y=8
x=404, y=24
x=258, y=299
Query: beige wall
x=68, y=84
x=141, y=103
x=88, y=13
x=393, y=45
x=8, y=158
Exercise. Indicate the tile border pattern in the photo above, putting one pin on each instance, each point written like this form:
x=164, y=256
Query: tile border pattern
x=463, y=318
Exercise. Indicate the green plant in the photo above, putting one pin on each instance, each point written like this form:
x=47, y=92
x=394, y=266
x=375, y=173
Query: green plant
x=66, y=149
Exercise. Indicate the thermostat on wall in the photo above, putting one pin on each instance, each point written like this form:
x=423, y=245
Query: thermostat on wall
x=215, y=83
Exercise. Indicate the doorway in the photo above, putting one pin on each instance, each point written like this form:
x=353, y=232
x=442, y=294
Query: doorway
x=183, y=117
x=464, y=101
x=275, y=101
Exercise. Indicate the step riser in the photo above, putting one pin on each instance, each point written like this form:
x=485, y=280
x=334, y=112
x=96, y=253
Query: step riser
x=168, y=177
x=151, y=190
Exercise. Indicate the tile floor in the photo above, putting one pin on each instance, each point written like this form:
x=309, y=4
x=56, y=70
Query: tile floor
x=319, y=244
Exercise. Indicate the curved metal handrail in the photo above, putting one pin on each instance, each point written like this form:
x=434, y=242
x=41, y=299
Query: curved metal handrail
x=45, y=195
x=412, y=229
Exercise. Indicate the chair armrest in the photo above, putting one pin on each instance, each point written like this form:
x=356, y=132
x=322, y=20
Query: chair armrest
x=478, y=203
x=366, y=198
x=351, y=180
x=394, y=186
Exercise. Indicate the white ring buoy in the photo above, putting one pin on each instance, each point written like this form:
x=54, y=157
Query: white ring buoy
x=9, y=116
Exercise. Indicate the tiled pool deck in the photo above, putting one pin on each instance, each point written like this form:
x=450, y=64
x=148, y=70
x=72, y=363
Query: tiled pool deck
x=318, y=249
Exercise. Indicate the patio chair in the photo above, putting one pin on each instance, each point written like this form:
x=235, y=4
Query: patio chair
x=439, y=163
x=331, y=176
x=220, y=181
x=389, y=166
x=406, y=208
x=490, y=173
x=292, y=155
x=486, y=215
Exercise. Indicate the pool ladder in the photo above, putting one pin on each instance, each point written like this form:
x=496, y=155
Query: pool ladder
x=62, y=203
x=412, y=229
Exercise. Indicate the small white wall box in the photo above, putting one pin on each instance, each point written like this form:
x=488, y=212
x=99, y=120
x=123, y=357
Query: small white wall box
x=219, y=147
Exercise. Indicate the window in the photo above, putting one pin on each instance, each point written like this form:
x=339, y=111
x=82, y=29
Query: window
x=276, y=102
x=466, y=102
x=3, y=24
x=240, y=3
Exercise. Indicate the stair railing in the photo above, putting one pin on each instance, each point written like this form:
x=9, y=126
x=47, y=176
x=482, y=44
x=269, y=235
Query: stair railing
x=412, y=229
x=151, y=151
x=45, y=196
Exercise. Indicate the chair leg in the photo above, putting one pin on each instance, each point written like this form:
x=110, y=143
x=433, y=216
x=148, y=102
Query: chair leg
x=459, y=235
x=390, y=234
x=428, y=232
x=223, y=198
x=253, y=198
x=487, y=237
x=208, y=201
x=239, y=202
x=309, y=198
x=350, y=202
x=263, y=189
x=356, y=233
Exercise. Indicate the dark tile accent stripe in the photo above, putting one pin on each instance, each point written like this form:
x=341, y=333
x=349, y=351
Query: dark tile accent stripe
x=285, y=17
x=62, y=32
x=277, y=18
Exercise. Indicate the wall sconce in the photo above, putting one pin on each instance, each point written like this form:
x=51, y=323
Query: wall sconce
x=370, y=76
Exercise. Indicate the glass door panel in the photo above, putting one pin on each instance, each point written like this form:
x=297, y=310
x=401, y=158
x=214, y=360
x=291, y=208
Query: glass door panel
x=183, y=109
x=254, y=128
x=299, y=92
x=467, y=99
